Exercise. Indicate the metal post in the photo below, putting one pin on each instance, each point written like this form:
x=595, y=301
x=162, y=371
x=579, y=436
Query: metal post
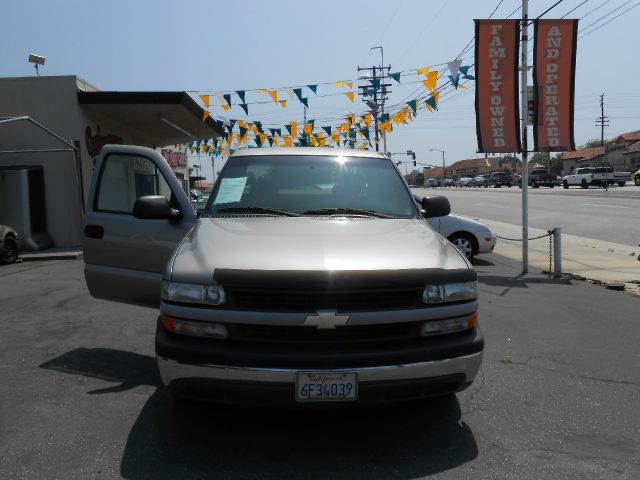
x=443, y=169
x=557, y=251
x=523, y=110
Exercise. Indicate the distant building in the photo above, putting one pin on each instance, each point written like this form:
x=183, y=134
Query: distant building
x=479, y=166
x=621, y=152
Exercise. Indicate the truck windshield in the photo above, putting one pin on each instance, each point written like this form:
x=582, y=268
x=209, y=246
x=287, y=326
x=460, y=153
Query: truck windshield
x=310, y=185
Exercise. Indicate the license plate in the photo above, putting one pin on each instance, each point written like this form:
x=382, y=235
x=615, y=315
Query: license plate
x=326, y=386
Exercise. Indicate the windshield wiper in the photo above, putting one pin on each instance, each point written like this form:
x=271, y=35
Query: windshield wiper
x=346, y=211
x=250, y=209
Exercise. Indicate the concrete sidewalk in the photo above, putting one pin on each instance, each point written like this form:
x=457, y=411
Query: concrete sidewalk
x=602, y=262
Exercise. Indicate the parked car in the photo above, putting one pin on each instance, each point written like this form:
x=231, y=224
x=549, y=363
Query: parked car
x=635, y=178
x=8, y=245
x=464, y=182
x=539, y=177
x=468, y=235
x=478, y=181
x=430, y=183
x=597, y=176
x=498, y=179
x=284, y=291
x=448, y=182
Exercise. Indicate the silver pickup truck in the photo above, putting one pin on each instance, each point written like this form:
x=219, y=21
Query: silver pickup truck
x=311, y=276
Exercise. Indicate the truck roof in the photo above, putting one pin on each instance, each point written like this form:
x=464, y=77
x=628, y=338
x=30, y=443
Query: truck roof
x=308, y=151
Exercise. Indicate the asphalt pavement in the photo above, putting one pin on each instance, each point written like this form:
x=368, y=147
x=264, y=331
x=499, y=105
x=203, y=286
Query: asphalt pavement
x=557, y=396
x=612, y=216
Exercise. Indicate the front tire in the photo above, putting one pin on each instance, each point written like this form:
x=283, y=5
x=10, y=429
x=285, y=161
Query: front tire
x=565, y=184
x=584, y=184
x=621, y=184
x=466, y=243
x=9, y=252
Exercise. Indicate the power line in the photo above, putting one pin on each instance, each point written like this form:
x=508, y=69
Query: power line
x=574, y=8
x=605, y=16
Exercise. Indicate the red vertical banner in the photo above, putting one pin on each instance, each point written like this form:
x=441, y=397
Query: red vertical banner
x=497, y=105
x=554, y=74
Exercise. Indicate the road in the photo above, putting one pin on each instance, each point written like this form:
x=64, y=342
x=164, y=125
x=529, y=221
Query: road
x=557, y=395
x=593, y=213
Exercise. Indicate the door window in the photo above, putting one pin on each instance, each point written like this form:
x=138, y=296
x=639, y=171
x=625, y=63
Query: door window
x=124, y=179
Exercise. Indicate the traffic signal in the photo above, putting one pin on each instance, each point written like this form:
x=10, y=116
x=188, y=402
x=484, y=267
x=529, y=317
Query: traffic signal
x=414, y=163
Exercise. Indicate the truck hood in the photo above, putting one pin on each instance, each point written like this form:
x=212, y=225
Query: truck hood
x=310, y=243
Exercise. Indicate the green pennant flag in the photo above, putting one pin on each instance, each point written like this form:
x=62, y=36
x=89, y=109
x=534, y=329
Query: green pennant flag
x=272, y=131
x=365, y=132
x=414, y=105
x=431, y=101
x=227, y=98
x=258, y=126
x=243, y=131
x=298, y=92
x=375, y=82
x=219, y=125
x=241, y=95
x=288, y=128
x=303, y=140
x=327, y=129
x=231, y=151
x=313, y=88
x=454, y=80
x=384, y=118
x=232, y=123
x=469, y=77
x=465, y=69
x=278, y=131
x=270, y=139
x=305, y=102
x=245, y=107
x=395, y=76
x=258, y=141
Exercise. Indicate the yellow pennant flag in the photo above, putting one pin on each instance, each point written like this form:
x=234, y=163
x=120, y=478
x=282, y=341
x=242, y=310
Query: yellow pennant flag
x=351, y=118
x=275, y=141
x=193, y=148
x=350, y=96
x=283, y=103
x=423, y=70
x=241, y=124
x=230, y=139
x=263, y=137
x=274, y=95
x=205, y=114
x=336, y=137
x=225, y=106
x=431, y=81
x=362, y=147
x=287, y=141
x=205, y=100
x=315, y=141
x=366, y=119
x=385, y=126
x=308, y=128
x=262, y=90
x=339, y=83
x=349, y=83
x=294, y=129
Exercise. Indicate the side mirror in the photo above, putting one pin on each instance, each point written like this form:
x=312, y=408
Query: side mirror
x=154, y=207
x=436, y=206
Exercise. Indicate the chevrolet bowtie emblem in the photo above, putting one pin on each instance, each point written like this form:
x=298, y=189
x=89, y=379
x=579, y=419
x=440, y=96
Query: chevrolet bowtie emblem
x=326, y=320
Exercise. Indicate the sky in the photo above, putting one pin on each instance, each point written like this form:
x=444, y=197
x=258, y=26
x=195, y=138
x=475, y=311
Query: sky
x=209, y=46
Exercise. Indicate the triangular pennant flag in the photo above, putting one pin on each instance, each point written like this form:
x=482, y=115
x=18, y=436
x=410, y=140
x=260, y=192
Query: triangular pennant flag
x=241, y=124
x=258, y=126
x=414, y=105
x=375, y=82
x=308, y=128
x=316, y=143
x=432, y=101
x=290, y=92
x=275, y=141
x=395, y=76
x=263, y=137
x=258, y=141
x=371, y=92
x=241, y=95
x=349, y=83
x=305, y=102
x=205, y=100
x=232, y=124
x=278, y=131
x=351, y=118
x=298, y=92
x=336, y=137
x=205, y=114
x=245, y=107
x=423, y=71
x=287, y=141
x=313, y=88
x=454, y=80
x=274, y=95
x=288, y=127
x=350, y=96
x=454, y=67
x=270, y=139
x=227, y=98
x=469, y=77
x=465, y=69
x=364, y=132
x=272, y=130
x=366, y=119
x=283, y=103
x=327, y=129
x=243, y=132
x=225, y=107
x=431, y=81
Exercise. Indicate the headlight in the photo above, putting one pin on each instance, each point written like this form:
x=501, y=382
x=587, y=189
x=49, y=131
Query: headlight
x=450, y=325
x=194, y=329
x=190, y=293
x=450, y=292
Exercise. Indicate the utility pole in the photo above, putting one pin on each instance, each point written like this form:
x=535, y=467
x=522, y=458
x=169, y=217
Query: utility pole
x=376, y=101
x=524, y=71
x=602, y=122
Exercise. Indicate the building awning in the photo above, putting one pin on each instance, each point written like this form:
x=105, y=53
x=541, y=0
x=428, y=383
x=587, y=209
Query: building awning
x=163, y=118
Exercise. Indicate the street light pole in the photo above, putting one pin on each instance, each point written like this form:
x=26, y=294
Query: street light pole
x=443, y=168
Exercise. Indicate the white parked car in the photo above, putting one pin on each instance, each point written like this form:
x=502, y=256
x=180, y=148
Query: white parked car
x=464, y=182
x=468, y=235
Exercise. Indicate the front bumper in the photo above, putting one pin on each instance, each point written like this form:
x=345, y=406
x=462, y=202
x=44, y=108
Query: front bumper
x=222, y=371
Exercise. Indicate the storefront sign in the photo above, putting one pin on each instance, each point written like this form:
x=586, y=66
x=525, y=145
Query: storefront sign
x=175, y=159
x=554, y=58
x=497, y=106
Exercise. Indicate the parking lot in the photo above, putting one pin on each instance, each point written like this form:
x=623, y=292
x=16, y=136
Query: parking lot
x=557, y=396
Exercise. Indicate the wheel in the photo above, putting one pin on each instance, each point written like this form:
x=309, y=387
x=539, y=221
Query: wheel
x=637, y=182
x=509, y=185
x=584, y=184
x=565, y=184
x=486, y=185
x=464, y=242
x=9, y=252
x=621, y=184
x=534, y=184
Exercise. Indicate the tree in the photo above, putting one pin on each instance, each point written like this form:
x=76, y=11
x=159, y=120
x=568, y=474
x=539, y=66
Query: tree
x=594, y=142
x=541, y=158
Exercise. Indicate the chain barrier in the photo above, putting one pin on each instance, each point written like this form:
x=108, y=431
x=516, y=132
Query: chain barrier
x=548, y=234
